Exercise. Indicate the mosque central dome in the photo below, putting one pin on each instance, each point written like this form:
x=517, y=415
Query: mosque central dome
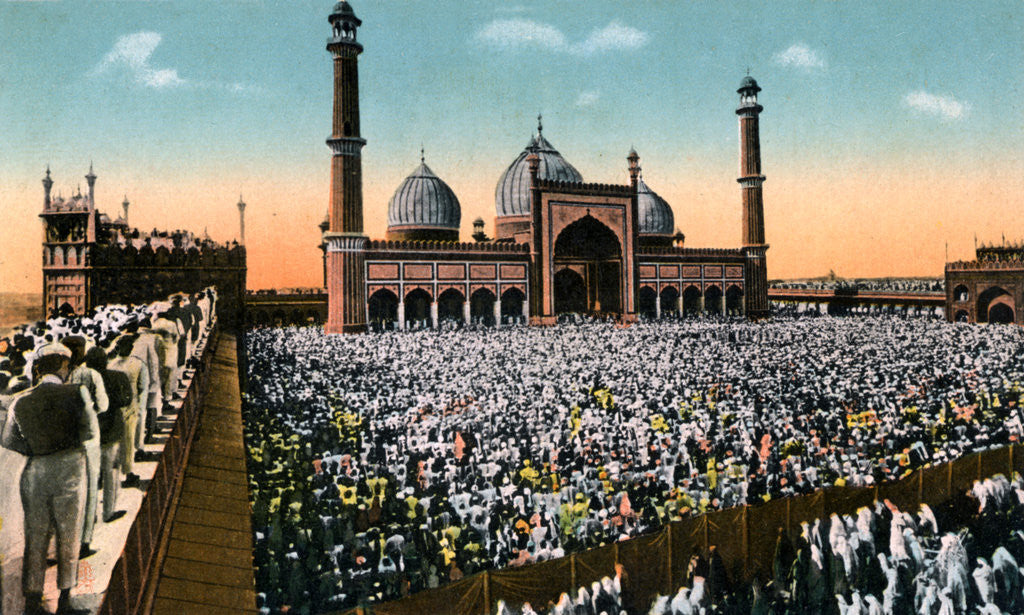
x=512, y=196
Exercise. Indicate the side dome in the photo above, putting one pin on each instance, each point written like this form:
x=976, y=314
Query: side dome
x=512, y=196
x=424, y=207
x=655, y=215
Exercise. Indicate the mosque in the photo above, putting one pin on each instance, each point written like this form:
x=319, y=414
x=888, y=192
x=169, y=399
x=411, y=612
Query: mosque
x=560, y=245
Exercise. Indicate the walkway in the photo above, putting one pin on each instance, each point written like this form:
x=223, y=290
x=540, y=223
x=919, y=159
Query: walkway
x=207, y=564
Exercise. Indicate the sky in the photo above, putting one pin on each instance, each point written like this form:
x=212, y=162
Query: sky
x=892, y=133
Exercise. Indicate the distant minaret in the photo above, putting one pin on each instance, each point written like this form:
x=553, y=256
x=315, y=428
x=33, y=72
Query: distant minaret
x=124, y=206
x=47, y=187
x=241, y=220
x=750, y=179
x=91, y=179
x=345, y=242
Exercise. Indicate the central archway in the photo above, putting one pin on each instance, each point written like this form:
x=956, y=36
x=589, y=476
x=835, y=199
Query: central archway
x=592, y=252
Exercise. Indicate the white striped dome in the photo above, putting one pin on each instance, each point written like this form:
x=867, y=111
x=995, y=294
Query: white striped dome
x=654, y=212
x=424, y=200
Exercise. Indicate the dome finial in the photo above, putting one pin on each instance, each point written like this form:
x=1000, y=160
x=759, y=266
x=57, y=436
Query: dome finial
x=423, y=155
x=540, y=125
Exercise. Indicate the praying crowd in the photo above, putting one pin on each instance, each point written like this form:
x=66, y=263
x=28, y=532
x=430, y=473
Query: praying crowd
x=384, y=464
x=79, y=398
x=881, y=561
x=890, y=285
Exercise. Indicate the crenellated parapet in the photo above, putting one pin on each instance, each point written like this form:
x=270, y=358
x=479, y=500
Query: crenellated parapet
x=583, y=188
x=986, y=265
x=502, y=247
x=690, y=253
x=115, y=255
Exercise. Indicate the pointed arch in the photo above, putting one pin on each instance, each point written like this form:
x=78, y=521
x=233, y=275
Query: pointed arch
x=691, y=300
x=669, y=301
x=450, y=305
x=481, y=306
x=647, y=302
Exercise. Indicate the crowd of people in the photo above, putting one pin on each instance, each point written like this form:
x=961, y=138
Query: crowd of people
x=962, y=558
x=889, y=285
x=79, y=398
x=384, y=464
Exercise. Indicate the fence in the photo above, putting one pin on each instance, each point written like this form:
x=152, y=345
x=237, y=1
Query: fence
x=656, y=563
x=131, y=573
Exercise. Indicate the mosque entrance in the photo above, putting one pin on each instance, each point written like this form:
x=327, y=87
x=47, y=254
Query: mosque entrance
x=1000, y=313
x=588, y=269
x=995, y=302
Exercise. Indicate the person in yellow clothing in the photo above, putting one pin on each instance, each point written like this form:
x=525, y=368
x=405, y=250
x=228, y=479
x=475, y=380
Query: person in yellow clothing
x=529, y=474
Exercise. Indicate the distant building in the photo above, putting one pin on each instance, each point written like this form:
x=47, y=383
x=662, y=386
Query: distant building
x=90, y=259
x=561, y=245
x=285, y=306
x=988, y=289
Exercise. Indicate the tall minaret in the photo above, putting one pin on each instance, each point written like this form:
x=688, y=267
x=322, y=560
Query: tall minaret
x=124, y=206
x=241, y=220
x=750, y=179
x=346, y=244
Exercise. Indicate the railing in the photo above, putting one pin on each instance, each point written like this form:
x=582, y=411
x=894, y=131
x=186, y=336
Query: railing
x=135, y=567
x=744, y=536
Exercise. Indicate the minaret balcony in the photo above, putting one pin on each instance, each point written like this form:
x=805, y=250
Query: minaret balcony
x=343, y=47
x=346, y=146
x=751, y=181
x=748, y=109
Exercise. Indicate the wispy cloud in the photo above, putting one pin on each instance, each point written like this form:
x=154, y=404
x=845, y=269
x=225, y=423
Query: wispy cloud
x=132, y=54
x=587, y=98
x=946, y=107
x=519, y=34
x=800, y=55
x=612, y=37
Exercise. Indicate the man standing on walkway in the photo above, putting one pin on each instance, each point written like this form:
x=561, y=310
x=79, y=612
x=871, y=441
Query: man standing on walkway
x=138, y=378
x=149, y=348
x=90, y=380
x=49, y=424
x=170, y=332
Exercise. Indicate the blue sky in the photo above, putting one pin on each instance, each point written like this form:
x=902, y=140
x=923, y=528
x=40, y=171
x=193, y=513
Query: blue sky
x=185, y=104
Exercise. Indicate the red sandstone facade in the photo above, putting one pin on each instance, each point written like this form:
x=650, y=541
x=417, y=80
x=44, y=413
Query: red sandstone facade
x=578, y=248
x=987, y=289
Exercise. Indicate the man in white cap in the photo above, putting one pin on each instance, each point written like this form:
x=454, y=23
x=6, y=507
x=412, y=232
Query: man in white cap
x=49, y=425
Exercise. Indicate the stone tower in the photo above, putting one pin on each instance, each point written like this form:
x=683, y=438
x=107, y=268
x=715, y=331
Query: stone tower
x=69, y=234
x=344, y=239
x=750, y=179
x=241, y=220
